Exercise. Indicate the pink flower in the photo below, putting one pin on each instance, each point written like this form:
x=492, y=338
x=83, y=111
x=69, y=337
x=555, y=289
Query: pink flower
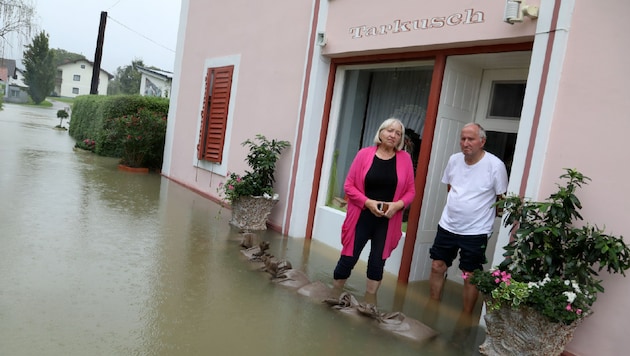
x=496, y=273
x=568, y=307
x=578, y=312
x=498, y=280
x=465, y=275
x=230, y=187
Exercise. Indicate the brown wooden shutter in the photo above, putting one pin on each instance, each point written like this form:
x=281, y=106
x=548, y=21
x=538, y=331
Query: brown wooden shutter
x=214, y=113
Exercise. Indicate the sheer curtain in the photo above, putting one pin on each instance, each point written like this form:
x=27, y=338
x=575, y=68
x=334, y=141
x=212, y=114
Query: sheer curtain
x=399, y=93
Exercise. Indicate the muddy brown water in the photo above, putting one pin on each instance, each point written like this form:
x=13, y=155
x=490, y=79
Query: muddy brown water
x=97, y=261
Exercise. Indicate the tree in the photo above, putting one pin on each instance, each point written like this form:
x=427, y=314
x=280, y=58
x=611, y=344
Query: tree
x=62, y=56
x=127, y=79
x=16, y=16
x=62, y=114
x=39, y=73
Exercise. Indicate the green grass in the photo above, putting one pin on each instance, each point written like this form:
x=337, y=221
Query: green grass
x=63, y=100
x=43, y=104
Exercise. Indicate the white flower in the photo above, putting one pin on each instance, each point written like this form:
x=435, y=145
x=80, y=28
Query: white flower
x=570, y=296
x=576, y=287
x=530, y=285
x=266, y=196
x=545, y=280
x=567, y=282
x=276, y=196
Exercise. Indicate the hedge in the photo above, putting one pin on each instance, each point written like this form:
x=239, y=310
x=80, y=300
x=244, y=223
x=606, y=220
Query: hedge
x=94, y=118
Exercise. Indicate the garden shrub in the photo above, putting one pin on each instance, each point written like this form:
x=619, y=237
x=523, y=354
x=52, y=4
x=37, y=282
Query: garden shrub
x=94, y=118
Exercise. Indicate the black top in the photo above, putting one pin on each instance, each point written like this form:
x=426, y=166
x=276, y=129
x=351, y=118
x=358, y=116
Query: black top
x=381, y=179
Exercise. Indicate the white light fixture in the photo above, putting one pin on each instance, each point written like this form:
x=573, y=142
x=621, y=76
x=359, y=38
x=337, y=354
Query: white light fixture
x=515, y=10
x=321, y=39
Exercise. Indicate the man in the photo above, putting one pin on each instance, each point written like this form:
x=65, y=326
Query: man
x=475, y=179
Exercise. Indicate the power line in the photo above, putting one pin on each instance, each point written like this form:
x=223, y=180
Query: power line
x=139, y=34
x=114, y=5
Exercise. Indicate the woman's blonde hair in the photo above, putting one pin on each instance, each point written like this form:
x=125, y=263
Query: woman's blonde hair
x=386, y=124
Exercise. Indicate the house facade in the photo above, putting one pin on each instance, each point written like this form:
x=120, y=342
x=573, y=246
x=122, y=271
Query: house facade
x=75, y=78
x=17, y=90
x=155, y=82
x=7, y=72
x=324, y=77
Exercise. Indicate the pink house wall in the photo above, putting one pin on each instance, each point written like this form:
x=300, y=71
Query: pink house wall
x=589, y=132
x=271, y=42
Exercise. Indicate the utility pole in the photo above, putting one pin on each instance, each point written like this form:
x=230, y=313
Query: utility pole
x=96, y=71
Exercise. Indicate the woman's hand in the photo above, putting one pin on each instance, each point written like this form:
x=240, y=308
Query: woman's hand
x=393, y=208
x=373, y=205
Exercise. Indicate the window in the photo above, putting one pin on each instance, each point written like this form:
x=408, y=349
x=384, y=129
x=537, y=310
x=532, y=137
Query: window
x=76, y=78
x=506, y=99
x=75, y=90
x=214, y=114
x=82, y=66
x=369, y=97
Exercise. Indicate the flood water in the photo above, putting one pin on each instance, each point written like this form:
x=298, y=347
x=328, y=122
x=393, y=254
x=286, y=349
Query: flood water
x=98, y=261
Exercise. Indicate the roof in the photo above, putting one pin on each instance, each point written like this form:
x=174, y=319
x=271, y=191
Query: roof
x=155, y=71
x=110, y=76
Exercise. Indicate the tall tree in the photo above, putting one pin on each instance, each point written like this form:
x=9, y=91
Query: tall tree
x=39, y=73
x=127, y=79
x=16, y=16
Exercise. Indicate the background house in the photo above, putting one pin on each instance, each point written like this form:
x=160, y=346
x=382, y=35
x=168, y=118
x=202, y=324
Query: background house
x=155, y=82
x=16, y=92
x=7, y=71
x=75, y=78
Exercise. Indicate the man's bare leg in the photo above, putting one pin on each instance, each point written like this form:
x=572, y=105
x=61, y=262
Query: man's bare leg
x=470, y=297
x=436, y=279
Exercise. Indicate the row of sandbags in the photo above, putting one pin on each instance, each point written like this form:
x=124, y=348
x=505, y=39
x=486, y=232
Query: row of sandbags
x=283, y=274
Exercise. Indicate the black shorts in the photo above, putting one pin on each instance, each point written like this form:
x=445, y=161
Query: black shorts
x=472, y=249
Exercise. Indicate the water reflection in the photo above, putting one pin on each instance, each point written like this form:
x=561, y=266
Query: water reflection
x=104, y=262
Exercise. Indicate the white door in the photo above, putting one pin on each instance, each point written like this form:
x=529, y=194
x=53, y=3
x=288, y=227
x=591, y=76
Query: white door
x=490, y=97
x=460, y=89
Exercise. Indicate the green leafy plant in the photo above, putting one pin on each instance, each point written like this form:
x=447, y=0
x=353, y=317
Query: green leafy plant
x=552, y=265
x=142, y=138
x=259, y=179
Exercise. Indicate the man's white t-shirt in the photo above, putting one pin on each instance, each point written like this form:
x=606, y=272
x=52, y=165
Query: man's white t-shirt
x=474, y=189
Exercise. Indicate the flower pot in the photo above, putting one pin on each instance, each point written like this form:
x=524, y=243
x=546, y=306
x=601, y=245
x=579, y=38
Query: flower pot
x=250, y=213
x=524, y=331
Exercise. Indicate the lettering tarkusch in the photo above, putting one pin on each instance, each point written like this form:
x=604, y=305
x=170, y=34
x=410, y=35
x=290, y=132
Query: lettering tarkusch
x=468, y=17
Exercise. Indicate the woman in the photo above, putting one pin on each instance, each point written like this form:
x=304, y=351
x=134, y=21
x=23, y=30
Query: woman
x=379, y=185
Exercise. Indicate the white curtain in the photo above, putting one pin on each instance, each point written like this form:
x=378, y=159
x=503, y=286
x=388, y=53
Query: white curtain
x=400, y=93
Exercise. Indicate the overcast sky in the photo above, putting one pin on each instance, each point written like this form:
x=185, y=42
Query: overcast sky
x=143, y=29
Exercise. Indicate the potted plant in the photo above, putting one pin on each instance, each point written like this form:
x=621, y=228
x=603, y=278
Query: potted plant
x=251, y=195
x=548, y=282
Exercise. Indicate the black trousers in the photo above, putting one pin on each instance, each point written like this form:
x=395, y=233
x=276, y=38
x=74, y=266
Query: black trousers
x=369, y=228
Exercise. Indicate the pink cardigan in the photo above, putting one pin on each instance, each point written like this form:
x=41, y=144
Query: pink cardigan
x=354, y=187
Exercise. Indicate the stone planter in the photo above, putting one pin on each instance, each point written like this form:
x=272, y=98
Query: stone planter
x=524, y=331
x=250, y=213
